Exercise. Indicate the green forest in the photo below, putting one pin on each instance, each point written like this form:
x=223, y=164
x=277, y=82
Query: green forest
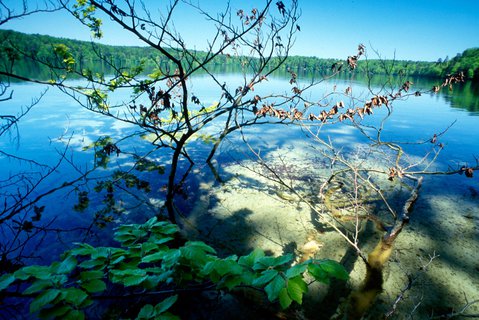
x=88, y=54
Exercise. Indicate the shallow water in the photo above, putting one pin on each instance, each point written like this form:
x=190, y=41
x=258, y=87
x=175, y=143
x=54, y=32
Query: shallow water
x=247, y=211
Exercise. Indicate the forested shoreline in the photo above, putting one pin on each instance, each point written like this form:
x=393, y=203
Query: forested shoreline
x=87, y=55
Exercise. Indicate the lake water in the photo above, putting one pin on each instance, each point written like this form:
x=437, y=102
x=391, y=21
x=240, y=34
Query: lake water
x=243, y=211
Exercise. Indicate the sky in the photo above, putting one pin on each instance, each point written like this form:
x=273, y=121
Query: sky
x=406, y=30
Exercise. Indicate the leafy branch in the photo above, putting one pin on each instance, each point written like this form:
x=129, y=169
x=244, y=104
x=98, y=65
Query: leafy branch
x=149, y=261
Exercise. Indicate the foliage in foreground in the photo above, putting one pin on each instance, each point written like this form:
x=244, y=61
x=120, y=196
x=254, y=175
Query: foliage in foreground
x=149, y=262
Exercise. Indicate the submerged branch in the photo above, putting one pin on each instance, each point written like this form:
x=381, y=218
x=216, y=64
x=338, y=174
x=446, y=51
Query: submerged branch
x=390, y=236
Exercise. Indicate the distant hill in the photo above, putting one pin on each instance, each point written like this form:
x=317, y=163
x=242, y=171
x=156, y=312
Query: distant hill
x=87, y=55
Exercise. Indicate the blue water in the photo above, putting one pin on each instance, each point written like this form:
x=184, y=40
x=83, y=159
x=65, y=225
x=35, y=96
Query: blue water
x=57, y=121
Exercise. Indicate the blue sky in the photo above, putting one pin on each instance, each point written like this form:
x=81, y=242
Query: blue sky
x=407, y=29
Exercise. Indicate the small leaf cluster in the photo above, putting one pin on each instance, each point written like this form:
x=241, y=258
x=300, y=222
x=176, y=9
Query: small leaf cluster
x=207, y=138
x=97, y=99
x=103, y=147
x=150, y=258
x=63, y=52
x=84, y=11
x=146, y=165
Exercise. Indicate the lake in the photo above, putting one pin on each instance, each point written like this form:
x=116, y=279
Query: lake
x=243, y=209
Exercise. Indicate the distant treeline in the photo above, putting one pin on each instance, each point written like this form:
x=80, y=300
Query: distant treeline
x=26, y=48
x=467, y=62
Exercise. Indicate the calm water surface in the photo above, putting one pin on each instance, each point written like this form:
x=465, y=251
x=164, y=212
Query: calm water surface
x=57, y=120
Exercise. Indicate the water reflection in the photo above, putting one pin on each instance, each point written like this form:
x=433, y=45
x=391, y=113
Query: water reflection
x=241, y=207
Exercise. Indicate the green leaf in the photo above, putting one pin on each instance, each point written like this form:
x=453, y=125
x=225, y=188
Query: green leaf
x=247, y=277
x=159, y=240
x=117, y=260
x=156, y=74
x=171, y=257
x=147, y=312
x=83, y=249
x=90, y=275
x=166, y=229
x=318, y=273
x=152, y=282
x=200, y=245
x=208, y=268
x=334, y=269
x=39, y=272
x=101, y=252
x=37, y=285
x=274, y=287
x=284, y=299
x=67, y=265
x=227, y=266
x=266, y=276
x=43, y=299
x=267, y=262
x=296, y=288
x=74, y=296
x=151, y=222
x=153, y=257
x=128, y=272
x=231, y=281
x=133, y=280
x=59, y=280
x=91, y=264
x=296, y=270
x=94, y=286
x=74, y=315
x=165, y=304
x=125, y=239
x=147, y=247
x=6, y=280
x=196, y=255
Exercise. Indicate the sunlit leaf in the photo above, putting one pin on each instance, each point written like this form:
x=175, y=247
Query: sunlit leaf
x=296, y=288
x=251, y=258
x=227, y=266
x=318, y=273
x=284, y=299
x=334, y=269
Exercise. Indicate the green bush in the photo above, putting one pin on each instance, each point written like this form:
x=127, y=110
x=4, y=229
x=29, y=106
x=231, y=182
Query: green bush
x=149, y=259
